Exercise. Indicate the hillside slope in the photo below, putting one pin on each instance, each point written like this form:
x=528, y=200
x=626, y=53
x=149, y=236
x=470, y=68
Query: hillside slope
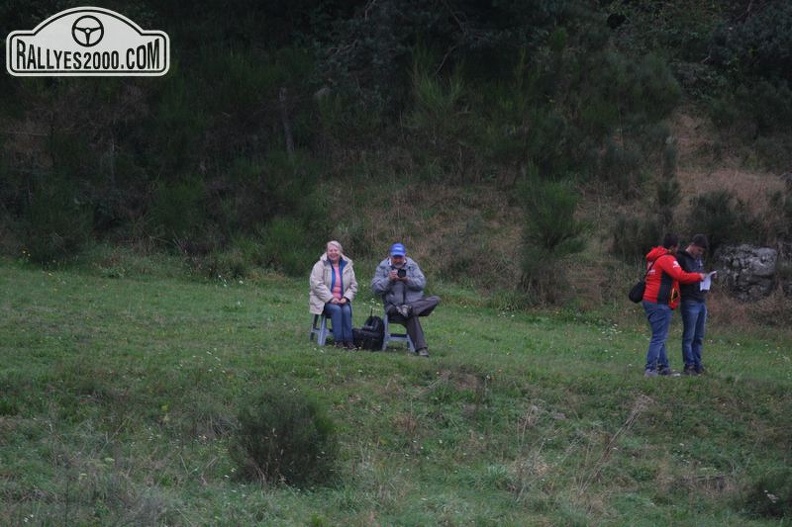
x=473, y=234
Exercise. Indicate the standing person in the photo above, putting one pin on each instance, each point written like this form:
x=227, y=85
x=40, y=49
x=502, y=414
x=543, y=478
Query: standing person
x=694, y=306
x=400, y=282
x=333, y=287
x=660, y=299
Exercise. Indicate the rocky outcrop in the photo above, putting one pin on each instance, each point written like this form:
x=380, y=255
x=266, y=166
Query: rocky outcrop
x=747, y=272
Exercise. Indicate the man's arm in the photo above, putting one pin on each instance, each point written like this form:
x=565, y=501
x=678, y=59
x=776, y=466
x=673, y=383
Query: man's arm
x=380, y=283
x=671, y=267
x=416, y=280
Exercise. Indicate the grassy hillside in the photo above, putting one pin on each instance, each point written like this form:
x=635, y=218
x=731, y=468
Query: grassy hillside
x=120, y=387
x=474, y=234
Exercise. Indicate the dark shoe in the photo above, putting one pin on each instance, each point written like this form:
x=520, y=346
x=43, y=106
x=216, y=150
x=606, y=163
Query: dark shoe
x=350, y=346
x=700, y=370
x=423, y=352
x=668, y=372
x=689, y=370
x=338, y=344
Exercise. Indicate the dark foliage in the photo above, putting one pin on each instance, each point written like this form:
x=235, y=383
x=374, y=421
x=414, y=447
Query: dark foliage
x=724, y=217
x=284, y=438
x=371, y=51
x=551, y=234
x=754, y=50
x=758, y=43
x=771, y=495
x=264, y=99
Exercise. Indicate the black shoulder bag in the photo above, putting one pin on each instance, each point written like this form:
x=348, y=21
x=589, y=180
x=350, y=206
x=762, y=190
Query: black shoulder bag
x=637, y=291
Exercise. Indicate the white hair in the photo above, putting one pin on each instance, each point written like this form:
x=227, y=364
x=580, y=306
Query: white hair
x=336, y=245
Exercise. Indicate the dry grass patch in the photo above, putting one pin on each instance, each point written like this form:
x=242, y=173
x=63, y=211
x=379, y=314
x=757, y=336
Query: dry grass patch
x=702, y=170
x=773, y=311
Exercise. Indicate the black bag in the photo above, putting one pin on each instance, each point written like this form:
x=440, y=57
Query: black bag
x=637, y=291
x=370, y=336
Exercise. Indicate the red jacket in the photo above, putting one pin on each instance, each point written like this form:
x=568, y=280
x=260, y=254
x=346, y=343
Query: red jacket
x=662, y=280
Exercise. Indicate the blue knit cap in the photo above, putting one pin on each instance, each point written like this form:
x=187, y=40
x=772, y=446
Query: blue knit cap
x=397, y=249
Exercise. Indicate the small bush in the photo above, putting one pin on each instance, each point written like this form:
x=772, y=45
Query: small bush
x=724, y=217
x=551, y=233
x=284, y=437
x=178, y=208
x=290, y=245
x=550, y=217
x=771, y=495
x=620, y=168
x=633, y=237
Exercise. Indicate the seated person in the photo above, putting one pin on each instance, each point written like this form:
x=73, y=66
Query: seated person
x=400, y=282
x=333, y=287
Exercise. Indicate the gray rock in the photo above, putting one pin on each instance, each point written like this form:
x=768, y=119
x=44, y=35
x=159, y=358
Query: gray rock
x=747, y=272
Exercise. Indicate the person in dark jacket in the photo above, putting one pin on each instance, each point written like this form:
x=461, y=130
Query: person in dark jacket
x=693, y=306
x=661, y=297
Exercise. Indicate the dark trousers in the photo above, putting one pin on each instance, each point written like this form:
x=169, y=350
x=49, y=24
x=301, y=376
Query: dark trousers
x=420, y=308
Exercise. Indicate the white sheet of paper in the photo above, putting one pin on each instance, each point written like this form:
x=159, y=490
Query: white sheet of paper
x=705, y=284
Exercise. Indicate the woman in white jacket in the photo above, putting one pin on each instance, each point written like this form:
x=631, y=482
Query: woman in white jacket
x=333, y=287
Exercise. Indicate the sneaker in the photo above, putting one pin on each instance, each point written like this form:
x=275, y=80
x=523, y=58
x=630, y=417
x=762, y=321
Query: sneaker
x=689, y=370
x=700, y=370
x=668, y=372
x=423, y=352
x=350, y=346
x=650, y=373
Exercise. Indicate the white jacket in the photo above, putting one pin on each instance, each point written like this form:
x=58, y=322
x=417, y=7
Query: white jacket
x=322, y=278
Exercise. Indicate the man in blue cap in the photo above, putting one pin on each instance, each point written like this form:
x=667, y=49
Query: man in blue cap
x=400, y=282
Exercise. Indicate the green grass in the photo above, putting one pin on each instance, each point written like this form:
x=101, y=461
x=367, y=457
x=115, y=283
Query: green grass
x=119, y=395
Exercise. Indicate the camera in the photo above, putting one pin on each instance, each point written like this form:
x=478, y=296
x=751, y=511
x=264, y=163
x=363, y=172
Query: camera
x=401, y=272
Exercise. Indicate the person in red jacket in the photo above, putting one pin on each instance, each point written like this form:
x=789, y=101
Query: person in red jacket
x=661, y=297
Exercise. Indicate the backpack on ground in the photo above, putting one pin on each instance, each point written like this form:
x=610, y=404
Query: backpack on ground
x=370, y=336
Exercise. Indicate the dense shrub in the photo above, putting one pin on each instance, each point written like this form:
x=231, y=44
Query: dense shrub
x=177, y=209
x=284, y=438
x=551, y=233
x=291, y=245
x=369, y=52
x=771, y=495
x=633, y=236
x=724, y=218
x=620, y=168
x=759, y=44
x=752, y=51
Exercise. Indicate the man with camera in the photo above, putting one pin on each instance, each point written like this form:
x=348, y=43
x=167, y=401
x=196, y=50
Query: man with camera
x=400, y=282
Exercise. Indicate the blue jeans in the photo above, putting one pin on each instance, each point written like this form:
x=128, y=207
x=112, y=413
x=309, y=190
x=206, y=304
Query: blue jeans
x=659, y=317
x=694, y=321
x=341, y=318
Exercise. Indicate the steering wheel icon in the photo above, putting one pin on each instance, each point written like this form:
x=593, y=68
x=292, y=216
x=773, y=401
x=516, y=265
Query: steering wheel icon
x=87, y=31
